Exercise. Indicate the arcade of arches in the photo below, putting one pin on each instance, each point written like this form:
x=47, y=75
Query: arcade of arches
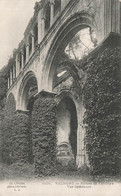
x=58, y=39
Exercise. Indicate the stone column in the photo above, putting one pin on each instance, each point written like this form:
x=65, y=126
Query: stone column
x=14, y=69
x=43, y=24
x=13, y=73
x=33, y=44
x=48, y=125
x=39, y=26
x=115, y=16
x=80, y=159
x=8, y=82
x=17, y=66
x=22, y=59
x=11, y=78
x=111, y=16
x=51, y=12
x=21, y=140
x=27, y=52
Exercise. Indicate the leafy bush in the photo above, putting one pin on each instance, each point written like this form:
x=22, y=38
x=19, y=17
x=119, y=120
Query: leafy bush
x=83, y=171
x=17, y=171
x=71, y=166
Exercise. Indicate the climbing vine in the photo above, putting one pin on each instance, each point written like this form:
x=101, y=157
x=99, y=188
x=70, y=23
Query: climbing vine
x=16, y=139
x=102, y=101
x=44, y=135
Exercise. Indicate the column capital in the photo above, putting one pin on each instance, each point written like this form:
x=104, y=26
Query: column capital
x=26, y=45
x=22, y=52
x=52, y=2
x=43, y=17
x=17, y=56
x=44, y=94
x=32, y=35
x=19, y=111
x=43, y=14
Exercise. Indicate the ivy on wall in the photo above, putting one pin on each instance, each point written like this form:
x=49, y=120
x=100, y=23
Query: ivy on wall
x=16, y=145
x=3, y=90
x=4, y=72
x=10, y=105
x=44, y=134
x=6, y=140
x=21, y=137
x=102, y=100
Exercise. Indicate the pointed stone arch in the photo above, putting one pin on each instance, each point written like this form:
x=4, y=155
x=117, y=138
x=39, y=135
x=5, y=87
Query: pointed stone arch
x=74, y=24
x=23, y=96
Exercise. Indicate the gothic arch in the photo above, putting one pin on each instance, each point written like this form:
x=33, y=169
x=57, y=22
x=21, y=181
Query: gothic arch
x=26, y=83
x=74, y=24
x=67, y=122
x=63, y=94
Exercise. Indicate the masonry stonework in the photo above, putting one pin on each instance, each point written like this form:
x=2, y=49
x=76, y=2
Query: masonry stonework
x=38, y=54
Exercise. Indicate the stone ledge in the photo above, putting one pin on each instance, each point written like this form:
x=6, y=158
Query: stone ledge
x=45, y=94
x=26, y=112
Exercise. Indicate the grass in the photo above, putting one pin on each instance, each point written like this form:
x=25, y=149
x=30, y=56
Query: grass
x=20, y=171
x=16, y=171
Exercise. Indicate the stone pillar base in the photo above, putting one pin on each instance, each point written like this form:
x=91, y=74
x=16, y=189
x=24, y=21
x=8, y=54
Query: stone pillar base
x=22, y=112
x=80, y=160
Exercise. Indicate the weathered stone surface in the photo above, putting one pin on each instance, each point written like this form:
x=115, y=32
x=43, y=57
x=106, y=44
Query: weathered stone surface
x=39, y=52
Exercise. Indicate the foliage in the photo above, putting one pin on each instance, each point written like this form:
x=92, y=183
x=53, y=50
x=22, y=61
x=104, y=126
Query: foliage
x=17, y=171
x=44, y=135
x=66, y=169
x=77, y=48
x=3, y=82
x=83, y=171
x=4, y=73
x=102, y=100
x=21, y=137
x=6, y=141
x=10, y=105
x=3, y=90
x=16, y=143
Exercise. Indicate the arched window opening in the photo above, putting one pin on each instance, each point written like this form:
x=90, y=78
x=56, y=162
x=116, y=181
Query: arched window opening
x=57, y=7
x=72, y=42
x=28, y=92
x=78, y=47
x=47, y=17
x=33, y=89
x=81, y=44
x=30, y=45
x=62, y=78
x=36, y=34
x=66, y=131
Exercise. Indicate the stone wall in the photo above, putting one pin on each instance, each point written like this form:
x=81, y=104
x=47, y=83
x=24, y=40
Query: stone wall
x=44, y=134
x=102, y=101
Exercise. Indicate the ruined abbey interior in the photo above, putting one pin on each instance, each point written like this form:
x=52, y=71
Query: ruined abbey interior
x=50, y=63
